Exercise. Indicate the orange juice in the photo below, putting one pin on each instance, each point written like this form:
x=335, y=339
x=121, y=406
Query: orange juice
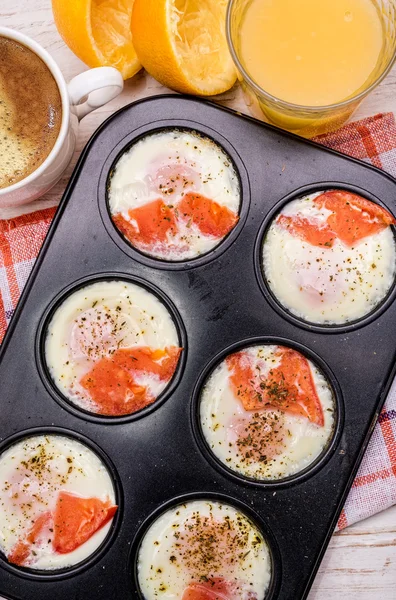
x=311, y=52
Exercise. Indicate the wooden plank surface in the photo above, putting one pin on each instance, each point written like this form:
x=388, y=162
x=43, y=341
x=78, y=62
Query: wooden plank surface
x=360, y=563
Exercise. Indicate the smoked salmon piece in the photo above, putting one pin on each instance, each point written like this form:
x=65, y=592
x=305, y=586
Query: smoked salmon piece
x=157, y=223
x=210, y=217
x=353, y=218
x=148, y=224
x=243, y=381
x=114, y=390
x=111, y=383
x=76, y=519
x=289, y=387
x=216, y=589
x=20, y=554
x=144, y=359
x=307, y=230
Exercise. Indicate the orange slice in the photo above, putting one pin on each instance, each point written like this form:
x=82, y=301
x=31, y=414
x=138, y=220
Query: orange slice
x=183, y=44
x=98, y=32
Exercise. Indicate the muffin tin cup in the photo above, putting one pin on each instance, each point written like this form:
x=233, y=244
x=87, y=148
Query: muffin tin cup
x=269, y=294
x=219, y=301
x=276, y=564
x=42, y=363
x=44, y=575
x=300, y=476
x=108, y=168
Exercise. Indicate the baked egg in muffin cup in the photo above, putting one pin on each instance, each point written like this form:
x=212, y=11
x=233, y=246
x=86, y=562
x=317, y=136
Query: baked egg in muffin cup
x=58, y=501
x=112, y=347
x=174, y=195
x=266, y=412
x=204, y=549
x=329, y=258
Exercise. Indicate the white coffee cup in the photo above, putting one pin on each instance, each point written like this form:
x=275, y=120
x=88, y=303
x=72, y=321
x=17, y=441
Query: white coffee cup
x=83, y=94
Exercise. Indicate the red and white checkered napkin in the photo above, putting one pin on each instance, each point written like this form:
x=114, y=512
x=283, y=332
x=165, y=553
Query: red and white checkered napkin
x=372, y=140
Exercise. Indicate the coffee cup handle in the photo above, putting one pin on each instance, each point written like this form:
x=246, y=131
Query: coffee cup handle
x=98, y=86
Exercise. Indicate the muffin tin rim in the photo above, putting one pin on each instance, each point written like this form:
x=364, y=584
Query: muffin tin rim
x=156, y=127
x=269, y=294
x=299, y=476
x=43, y=369
x=52, y=575
x=249, y=512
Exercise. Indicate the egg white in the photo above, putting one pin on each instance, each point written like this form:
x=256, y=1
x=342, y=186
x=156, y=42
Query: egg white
x=147, y=323
x=216, y=179
x=161, y=578
x=88, y=478
x=219, y=405
x=327, y=285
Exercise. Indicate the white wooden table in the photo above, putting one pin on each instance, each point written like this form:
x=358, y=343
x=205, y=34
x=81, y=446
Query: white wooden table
x=360, y=563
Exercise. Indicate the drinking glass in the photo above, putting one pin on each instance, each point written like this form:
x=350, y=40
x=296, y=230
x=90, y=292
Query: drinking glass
x=308, y=121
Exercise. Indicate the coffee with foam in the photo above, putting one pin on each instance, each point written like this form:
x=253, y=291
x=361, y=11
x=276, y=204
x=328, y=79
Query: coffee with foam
x=30, y=112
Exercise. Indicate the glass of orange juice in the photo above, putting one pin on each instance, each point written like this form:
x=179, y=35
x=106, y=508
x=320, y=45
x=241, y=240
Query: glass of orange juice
x=305, y=65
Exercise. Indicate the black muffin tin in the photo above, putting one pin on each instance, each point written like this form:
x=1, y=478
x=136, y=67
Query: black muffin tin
x=219, y=301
